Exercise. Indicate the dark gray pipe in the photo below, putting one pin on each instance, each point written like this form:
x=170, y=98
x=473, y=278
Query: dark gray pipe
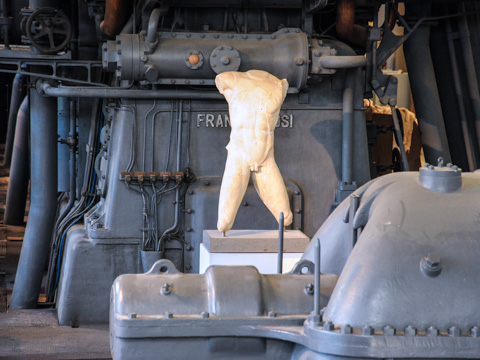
x=63, y=153
x=19, y=172
x=343, y=62
x=72, y=149
x=281, y=229
x=93, y=92
x=347, y=126
x=469, y=149
x=19, y=91
x=43, y=201
x=152, y=35
x=425, y=95
x=470, y=69
x=317, y=289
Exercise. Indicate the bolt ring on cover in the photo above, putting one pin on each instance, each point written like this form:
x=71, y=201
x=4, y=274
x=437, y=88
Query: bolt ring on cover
x=49, y=30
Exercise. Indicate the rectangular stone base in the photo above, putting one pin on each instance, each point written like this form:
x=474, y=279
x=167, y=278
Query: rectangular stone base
x=254, y=241
x=251, y=247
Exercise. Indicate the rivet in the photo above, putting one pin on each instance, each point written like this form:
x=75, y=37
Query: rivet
x=189, y=229
x=272, y=314
x=297, y=192
x=259, y=37
x=298, y=211
x=132, y=316
x=273, y=36
x=188, y=247
x=207, y=183
x=188, y=266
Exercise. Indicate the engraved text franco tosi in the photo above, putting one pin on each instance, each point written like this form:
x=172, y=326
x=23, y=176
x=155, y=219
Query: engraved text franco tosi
x=254, y=99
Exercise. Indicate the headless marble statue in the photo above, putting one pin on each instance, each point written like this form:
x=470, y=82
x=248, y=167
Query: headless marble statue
x=254, y=100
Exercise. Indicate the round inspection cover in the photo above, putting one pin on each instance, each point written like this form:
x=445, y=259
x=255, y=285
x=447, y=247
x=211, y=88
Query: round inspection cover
x=225, y=58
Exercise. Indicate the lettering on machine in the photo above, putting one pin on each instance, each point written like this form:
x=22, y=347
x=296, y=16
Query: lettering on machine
x=222, y=120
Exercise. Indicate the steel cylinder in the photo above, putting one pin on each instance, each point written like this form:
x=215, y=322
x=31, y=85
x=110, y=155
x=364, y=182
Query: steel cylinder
x=19, y=172
x=43, y=201
x=18, y=94
x=196, y=58
x=63, y=116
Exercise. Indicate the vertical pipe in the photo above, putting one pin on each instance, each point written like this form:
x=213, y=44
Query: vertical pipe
x=425, y=95
x=19, y=172
x=354, y=203
x=281, y=228
x=43, y=200
x=469, y=149
x=18, y=94
x=399, y=137
x=347, y=126
x=470, y=69
x=63, y=127
x=316, y=300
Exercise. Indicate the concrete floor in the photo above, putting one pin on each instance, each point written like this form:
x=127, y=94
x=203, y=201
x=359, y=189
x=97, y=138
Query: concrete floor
x=35, y=334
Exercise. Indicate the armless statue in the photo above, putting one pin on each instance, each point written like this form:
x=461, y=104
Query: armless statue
x=254, y=100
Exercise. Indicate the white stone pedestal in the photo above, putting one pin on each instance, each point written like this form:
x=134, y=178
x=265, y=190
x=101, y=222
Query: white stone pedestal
x=251, y=247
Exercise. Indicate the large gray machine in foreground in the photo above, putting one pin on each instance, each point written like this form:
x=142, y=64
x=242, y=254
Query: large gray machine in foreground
x=409, y=288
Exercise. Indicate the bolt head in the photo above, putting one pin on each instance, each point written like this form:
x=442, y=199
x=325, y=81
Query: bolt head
x=204, y=315
x=168, y=315
x=475, y=331
x=432, y=331
x=272, y=314
x=389, y=330
x=410, y=331
x=346, y=329
x=432, y=260
x=328, y=326
x=367, y=330
x=454, y=331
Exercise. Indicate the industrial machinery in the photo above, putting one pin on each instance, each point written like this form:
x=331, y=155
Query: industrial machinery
x=116, y=121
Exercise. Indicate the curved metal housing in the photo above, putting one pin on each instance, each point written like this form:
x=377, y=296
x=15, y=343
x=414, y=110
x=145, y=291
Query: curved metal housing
x=284, y=54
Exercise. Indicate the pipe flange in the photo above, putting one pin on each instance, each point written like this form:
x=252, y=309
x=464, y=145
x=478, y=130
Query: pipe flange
x=225, y=58
x=441, y=178
x=194, y=59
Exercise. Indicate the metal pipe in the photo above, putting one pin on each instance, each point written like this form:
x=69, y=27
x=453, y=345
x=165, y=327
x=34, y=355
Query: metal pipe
x=116, y=93
x=470, y=69
x=354, y=204
x=72, y=163
x=281, y=229
x=43, y=201
x=425, y=95
x=469, y=149
x=343, y=62
x=152, y=35
x=347, y=126
x=63, y=154
x=19, y=172
x=346, y=28
x=399, y=137
x=116, y=15
x=19, y=91
x=178, y=168
x=316, y=296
